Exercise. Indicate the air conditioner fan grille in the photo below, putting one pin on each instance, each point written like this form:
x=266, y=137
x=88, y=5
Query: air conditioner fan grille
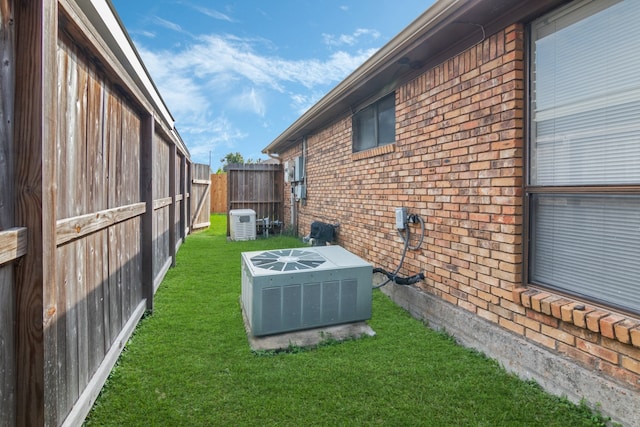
x=288, y=260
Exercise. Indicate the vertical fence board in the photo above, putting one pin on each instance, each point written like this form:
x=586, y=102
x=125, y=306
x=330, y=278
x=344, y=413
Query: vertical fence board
x=35, y=129
x=63, y=270
x=96, y=202
x=171, y=226
x=131, y=131
x=79, y=163
x=146, y=194
x=114, y=149
x=7, y=312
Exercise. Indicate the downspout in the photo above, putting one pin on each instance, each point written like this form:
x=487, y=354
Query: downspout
x=274, y=156
x=304, y=168
x=292, y=204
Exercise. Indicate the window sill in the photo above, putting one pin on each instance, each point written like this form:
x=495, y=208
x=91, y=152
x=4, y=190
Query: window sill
x=607, y=323
x=373, y=152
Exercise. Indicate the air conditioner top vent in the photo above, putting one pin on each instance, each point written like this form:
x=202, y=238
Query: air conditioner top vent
x=288, y=260
x=301, y=260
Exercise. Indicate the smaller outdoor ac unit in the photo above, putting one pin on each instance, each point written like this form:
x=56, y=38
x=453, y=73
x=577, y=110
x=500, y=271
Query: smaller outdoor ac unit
x=242, y=224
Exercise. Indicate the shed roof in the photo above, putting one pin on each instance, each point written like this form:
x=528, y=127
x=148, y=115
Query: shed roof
x=442, y=31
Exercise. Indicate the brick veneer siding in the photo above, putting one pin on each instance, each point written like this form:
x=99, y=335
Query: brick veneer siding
x=458, y=163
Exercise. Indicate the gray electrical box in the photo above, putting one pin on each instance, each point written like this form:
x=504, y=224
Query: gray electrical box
x=298, y=172
x=301, y=191
x=401, y=218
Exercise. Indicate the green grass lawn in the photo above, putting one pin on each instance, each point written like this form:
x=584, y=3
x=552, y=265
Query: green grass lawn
x=189, y=364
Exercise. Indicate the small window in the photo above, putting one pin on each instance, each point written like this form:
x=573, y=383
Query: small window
x=375, y=125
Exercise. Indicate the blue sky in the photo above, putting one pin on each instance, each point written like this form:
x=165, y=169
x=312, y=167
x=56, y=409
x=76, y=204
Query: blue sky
x=236, y=74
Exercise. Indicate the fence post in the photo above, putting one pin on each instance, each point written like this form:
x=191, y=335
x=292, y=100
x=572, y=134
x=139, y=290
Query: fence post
x=146, y=193
x=174, y=204
x=35, y=208
x=189, y=189
x=7, y=293
x=183, y=191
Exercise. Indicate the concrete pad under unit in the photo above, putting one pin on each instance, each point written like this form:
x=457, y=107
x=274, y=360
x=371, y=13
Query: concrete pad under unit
x=307, y=337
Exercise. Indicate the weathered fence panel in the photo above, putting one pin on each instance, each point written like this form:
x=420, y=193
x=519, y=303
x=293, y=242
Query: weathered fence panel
x=90, y=162
x=258, y=187
x=99, y=146
x=200, y=196
x=219, y=193
x=162, y=203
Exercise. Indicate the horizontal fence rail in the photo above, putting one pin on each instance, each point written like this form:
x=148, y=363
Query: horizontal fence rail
x=13, y=244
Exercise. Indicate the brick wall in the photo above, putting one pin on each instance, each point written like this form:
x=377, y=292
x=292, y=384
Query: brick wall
x=458, y=163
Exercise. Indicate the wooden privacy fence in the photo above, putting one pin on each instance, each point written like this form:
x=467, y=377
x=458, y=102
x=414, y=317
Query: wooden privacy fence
x=95, y=199
x=258, y=187
x=218, y=193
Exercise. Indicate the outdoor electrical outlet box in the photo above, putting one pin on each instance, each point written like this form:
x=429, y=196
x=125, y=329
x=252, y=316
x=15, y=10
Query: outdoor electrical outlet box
x=401, y=218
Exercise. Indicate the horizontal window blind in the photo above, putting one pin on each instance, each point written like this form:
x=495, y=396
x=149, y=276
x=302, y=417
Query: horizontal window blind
x=586, y=96
x=585, y=131
x=588, y=245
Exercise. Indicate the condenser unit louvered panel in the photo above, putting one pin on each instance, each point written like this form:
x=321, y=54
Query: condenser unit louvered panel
x=242, y=224
x=293, y=289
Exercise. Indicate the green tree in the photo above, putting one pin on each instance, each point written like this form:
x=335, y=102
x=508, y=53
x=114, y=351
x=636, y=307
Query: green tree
x=230, y=159
x=233, y=158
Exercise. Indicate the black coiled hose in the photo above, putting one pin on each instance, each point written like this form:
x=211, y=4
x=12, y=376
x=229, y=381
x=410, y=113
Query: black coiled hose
x=393, y=277
x=400, y=280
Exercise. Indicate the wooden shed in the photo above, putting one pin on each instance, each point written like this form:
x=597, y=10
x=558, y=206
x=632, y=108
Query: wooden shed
x=95, y=187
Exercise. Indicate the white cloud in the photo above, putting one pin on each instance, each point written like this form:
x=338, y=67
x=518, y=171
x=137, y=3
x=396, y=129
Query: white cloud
x=249, y=100
x=224, y=59
x=218, y=132
x=168, y=24
x=302, y=102
x=215, y=75
x=349, y=39
x=147, y=34
x=212, y=13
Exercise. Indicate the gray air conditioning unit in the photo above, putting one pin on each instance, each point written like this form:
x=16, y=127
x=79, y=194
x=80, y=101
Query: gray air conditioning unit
x=292, y=289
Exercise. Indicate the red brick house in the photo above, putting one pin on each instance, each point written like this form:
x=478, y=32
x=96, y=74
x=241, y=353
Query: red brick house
x=512, y=129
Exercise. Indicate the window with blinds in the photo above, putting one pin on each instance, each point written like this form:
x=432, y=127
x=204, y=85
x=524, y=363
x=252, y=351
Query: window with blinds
x=583, y=184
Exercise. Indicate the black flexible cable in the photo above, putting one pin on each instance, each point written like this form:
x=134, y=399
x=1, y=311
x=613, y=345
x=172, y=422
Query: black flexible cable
x=398, y=280
x=394, y=276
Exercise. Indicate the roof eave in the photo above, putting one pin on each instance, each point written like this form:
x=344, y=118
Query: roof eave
x=444, y=30
x=390, y=52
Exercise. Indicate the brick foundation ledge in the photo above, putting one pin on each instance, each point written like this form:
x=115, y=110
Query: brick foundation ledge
x=554, y=372
x=610, y=325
